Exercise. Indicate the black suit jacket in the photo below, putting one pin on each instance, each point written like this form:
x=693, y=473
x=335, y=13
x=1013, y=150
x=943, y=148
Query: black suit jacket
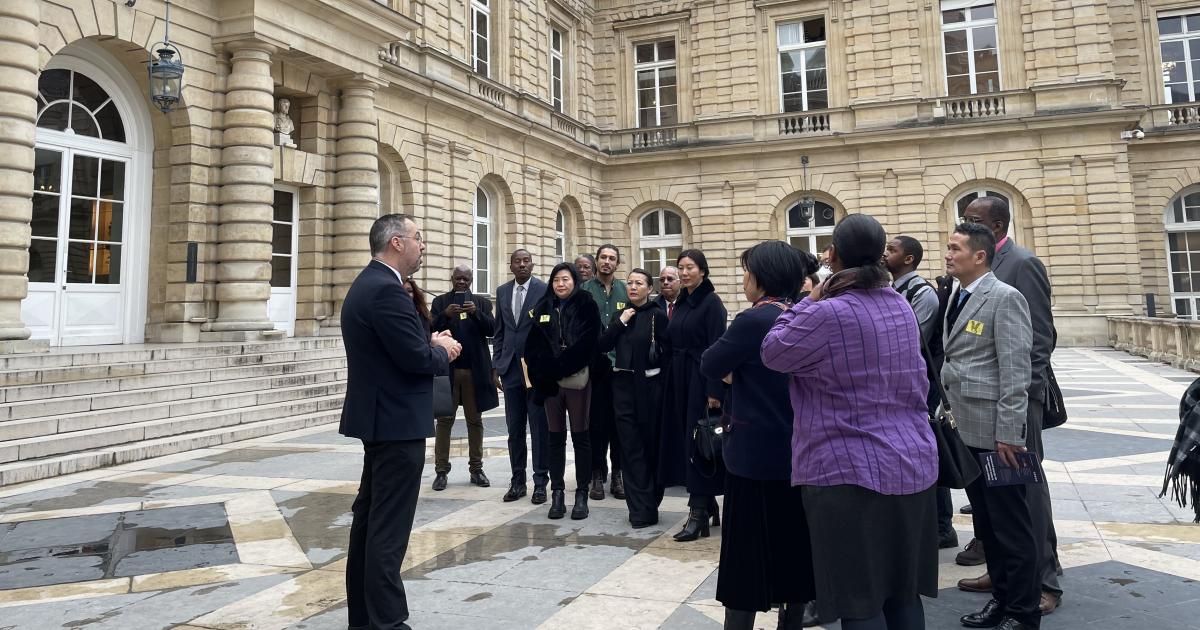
x=478, y=327
x=1020, y=269
x=390, y=361
x=508, y=344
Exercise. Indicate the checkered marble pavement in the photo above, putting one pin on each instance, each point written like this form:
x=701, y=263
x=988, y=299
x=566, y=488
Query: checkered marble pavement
x=253, y=535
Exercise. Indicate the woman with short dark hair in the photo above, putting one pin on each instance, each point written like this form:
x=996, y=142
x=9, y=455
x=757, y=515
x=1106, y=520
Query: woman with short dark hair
x=561, y=345
x=863, y=453
x=698, y=321
x=766, y=559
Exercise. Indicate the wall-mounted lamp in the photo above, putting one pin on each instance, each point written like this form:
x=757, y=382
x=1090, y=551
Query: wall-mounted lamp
x=166, y=71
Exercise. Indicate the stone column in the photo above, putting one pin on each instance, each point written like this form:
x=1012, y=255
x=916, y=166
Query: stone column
x=247, y=192
x=356, y=196
x=18, y=117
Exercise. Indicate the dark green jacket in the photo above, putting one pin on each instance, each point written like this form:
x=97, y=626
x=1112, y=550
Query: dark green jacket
x=610, y=304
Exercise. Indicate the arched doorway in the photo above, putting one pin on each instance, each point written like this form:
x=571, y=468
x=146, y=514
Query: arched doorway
x=87, y=256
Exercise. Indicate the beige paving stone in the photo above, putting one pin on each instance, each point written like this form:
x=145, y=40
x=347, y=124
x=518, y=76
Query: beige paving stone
x=595, y=611
x=203, y=575
x=63, y=592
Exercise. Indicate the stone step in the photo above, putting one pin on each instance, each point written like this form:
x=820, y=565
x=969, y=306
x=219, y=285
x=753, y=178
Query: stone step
x=106, y=355
x=46, y=424
x=128, y=433
x=132, y=398
x=39, y=392
x=34, y=469
x=117, y=369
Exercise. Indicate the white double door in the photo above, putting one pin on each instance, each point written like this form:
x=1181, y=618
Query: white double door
x=281, y=308
x=78, y=262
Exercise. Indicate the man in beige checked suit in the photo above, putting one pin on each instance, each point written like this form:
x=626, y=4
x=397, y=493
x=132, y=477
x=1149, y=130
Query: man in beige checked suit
x=987, y=337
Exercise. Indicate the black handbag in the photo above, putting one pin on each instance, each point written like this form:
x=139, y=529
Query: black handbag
x=443, y=397
x=706, y=443
x=1054, y=409
x=957, y=466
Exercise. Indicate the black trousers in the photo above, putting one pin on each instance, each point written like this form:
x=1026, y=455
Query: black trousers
x=519, y=412
x=569, y=409
x=1040, y=508
x=945, y=511
x=383, y=518
x=637, y=401
x=602, y=418
x=1013, y=548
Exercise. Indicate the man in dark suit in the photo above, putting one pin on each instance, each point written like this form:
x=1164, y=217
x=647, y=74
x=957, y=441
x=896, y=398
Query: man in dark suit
x=468, y=317
x=514, y=301
x=389, y=406
x=668, y=291
x=1020, y=268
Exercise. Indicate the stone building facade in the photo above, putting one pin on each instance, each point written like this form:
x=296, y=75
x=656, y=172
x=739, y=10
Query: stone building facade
x=556, y=125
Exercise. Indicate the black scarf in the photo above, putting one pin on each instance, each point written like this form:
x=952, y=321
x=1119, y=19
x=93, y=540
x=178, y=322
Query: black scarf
x=1183, y=466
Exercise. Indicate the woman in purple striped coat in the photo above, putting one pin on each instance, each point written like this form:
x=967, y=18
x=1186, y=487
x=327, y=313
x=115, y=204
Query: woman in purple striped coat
x=862, y=450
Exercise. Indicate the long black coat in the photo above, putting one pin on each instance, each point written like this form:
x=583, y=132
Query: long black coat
x=479, y=326
x=697, y=323
x=575, y=322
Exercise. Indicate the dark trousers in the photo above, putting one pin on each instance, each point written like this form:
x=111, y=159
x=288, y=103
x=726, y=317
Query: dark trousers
x=1013, y=548
x=636, y=403
x=1040, y=508
x=945, y=511
x=383, y=518
x=602, y=420
x=463, y=390
x=519, y=412
x=569, y=409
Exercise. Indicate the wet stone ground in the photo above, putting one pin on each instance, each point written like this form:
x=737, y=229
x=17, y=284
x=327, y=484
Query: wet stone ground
x=253, y=535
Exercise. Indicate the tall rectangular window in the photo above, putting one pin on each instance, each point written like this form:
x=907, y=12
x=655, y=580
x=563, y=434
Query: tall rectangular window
x=481, y=36
x=482, y=248
x=1179, y=41
x=803, y=78
x=657, y=89
x=556, y=69
x=970, y=47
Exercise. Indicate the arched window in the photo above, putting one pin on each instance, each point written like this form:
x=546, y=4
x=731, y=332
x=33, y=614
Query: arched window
x=71, y=102
x=661, y=240
x=482, y=247
x=1183, y=251
x=560, y=234
x=971, y=195
x=812, y=234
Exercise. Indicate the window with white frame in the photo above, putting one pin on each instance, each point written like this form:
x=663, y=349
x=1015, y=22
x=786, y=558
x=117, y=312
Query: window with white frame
x=971, y=52
x=482, y=247
x=560, y=235
x=661, y=240
x=803, y=80
x=1179, y=42
x=1183, y=252
x=811, y=234
x=481, y=36
x=557, y=39
x=971, y=195
x=657, y=86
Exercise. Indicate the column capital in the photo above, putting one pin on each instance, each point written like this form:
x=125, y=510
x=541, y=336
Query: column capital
x=358, y=83
x=251, y=45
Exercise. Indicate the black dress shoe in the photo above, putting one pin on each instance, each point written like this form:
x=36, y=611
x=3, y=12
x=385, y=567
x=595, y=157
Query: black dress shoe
x=539, y=495
x=948, y=540
x=1012, y=624
x=515, y=491
x=439, y=482
x=480, y=479
x=558, y=504
x=579, y=511
x=990, y=617
x=966, y=509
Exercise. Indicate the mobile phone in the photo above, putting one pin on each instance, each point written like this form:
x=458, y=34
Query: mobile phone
x=460, y=298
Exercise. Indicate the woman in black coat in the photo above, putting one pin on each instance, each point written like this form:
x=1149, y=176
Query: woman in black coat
x=638, y=336
x=697, y=322
x=766, y=558
x=566, y=329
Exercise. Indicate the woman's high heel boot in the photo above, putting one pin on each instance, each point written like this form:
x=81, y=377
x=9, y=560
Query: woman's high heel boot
x=558, y=504
x=695, y=527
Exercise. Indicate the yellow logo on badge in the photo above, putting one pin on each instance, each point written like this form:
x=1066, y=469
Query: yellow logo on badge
x=462, y=315
x=531, y=312
x=620, y=305
x=975, y=327
x=543, y=319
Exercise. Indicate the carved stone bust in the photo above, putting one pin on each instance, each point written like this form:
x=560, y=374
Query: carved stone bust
x=283, y=121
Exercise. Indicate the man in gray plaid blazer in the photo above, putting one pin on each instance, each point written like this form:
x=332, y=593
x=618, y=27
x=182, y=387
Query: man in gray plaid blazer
x=987, y=338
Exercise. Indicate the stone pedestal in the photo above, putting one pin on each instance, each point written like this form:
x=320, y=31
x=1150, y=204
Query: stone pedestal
x=18, y=118
x=247, y=192
x=356, y=197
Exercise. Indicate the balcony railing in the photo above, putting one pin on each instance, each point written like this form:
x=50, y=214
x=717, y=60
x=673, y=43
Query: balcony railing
x=975, y=107
x=565, y=125
x=654, y=138
x=488, y=91
x=1188, y=114
x=804, y=123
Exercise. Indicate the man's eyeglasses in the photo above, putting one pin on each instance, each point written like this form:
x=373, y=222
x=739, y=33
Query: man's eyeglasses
x=416, y=237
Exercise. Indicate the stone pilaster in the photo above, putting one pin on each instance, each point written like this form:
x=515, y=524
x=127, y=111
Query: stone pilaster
x=18, y=117
x=356, y=194
x=247, y=192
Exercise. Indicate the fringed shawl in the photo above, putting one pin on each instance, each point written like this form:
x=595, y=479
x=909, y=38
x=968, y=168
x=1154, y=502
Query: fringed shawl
x=1183, y=466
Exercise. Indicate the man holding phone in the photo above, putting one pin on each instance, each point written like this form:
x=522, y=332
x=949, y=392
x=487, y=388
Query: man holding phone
x=469, y=319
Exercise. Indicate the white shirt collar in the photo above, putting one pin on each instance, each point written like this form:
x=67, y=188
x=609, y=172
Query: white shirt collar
x=899, y=282
x=391, y=269
x=970, y=288
x=523, y=285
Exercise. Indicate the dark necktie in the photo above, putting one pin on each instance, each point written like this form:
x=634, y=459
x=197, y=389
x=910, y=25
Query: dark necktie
x=963, y=296
x=670, y=309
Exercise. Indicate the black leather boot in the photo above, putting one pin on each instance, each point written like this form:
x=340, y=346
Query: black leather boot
x=792, y=616
x=739, y=619
x=558, y=504
x=618, y=486
x=597, y=488
x=579, y=511
x=714, y=508
x=695, y=527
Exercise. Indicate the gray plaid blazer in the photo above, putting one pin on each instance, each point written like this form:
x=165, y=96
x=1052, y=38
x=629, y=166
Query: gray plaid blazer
x=986, y=373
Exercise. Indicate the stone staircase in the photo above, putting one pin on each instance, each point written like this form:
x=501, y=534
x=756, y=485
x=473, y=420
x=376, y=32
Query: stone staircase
x=76, y=409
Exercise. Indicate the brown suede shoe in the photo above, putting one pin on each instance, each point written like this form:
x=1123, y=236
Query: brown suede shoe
x=1050, y=602
x=981, y=584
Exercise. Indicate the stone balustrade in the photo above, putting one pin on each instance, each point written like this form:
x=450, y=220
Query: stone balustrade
x=975, y=107
x=1173, y=341
x=806, y=123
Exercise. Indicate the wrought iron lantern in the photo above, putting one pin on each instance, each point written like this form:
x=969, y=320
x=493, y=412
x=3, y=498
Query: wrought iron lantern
x=166, y=71
x=807, y=203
